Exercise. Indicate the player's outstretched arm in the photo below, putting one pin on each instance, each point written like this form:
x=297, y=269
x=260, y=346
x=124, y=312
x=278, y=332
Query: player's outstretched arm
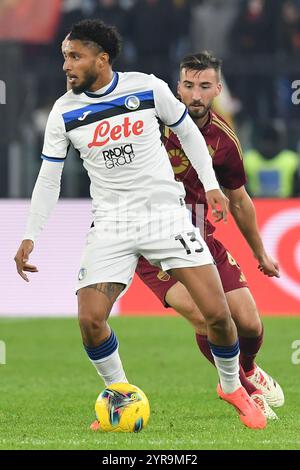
x=22, y=258
x=243, y=211
x=47, y=187
x=44, y=199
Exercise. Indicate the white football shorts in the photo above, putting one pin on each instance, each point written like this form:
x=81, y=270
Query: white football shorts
x=112, y=248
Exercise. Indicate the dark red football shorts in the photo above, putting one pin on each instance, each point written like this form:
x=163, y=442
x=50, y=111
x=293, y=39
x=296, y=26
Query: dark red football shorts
x=160, y=282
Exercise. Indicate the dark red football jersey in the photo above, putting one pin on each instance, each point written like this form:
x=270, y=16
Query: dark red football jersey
x=225, y=150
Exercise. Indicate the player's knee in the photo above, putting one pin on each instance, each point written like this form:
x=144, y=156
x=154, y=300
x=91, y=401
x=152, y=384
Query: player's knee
x=91, y=325
x=252, y=328
x=220, y=320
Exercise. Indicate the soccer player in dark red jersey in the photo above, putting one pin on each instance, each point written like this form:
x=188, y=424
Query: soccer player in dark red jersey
x=198, y=85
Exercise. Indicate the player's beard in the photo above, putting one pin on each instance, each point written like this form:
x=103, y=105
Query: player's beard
x=200, y=112
x=86, y=84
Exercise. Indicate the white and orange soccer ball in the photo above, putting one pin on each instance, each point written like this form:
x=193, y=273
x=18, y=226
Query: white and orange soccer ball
x=122, y=407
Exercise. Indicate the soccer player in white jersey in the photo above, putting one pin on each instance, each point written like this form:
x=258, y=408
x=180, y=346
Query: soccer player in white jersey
x=138, y=208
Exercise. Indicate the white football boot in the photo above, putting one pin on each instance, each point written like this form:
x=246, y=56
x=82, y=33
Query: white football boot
x=270, y=388
x=261, y=402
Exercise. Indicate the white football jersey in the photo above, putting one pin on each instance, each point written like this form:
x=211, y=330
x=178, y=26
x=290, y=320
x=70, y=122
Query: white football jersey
x=116, y=132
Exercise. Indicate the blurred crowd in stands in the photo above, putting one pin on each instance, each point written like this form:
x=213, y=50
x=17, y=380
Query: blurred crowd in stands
x=258, y=41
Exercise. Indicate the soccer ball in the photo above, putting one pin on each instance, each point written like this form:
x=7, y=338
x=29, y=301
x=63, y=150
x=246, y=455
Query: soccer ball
x=122, y=407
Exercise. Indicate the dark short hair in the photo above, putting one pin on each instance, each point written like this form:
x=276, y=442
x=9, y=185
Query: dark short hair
x=201, y=61
x=106, y=37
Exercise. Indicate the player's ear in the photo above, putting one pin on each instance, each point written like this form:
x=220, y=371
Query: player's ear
x=103, y=59
x=219, y=89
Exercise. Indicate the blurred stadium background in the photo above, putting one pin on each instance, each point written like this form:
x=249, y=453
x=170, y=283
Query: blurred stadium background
x=259, y=42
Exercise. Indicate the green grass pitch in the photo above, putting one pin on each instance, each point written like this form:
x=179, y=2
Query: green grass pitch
x=48, y=388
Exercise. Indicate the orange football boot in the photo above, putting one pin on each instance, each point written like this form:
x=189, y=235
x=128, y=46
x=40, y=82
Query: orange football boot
x=250, y=414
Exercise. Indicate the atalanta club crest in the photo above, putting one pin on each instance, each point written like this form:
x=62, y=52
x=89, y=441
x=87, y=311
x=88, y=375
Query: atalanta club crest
x=132, y=102
x=82, y=274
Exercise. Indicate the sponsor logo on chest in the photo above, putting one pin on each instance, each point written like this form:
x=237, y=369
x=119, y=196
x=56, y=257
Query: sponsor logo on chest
x=105, y=133
x=118, y=156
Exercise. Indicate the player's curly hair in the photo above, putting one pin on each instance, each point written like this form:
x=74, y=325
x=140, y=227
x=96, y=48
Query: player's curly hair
x=105, y=37
x=201, y=61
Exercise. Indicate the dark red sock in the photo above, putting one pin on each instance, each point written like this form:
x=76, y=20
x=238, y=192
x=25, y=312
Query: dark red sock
x=203, y=345
x=249, y=347
x=250, y=388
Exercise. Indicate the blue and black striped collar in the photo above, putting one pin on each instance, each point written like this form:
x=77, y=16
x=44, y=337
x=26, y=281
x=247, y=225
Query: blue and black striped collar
x=111, y=88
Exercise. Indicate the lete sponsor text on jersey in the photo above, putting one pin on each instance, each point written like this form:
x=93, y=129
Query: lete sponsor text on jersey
x=104, y=132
